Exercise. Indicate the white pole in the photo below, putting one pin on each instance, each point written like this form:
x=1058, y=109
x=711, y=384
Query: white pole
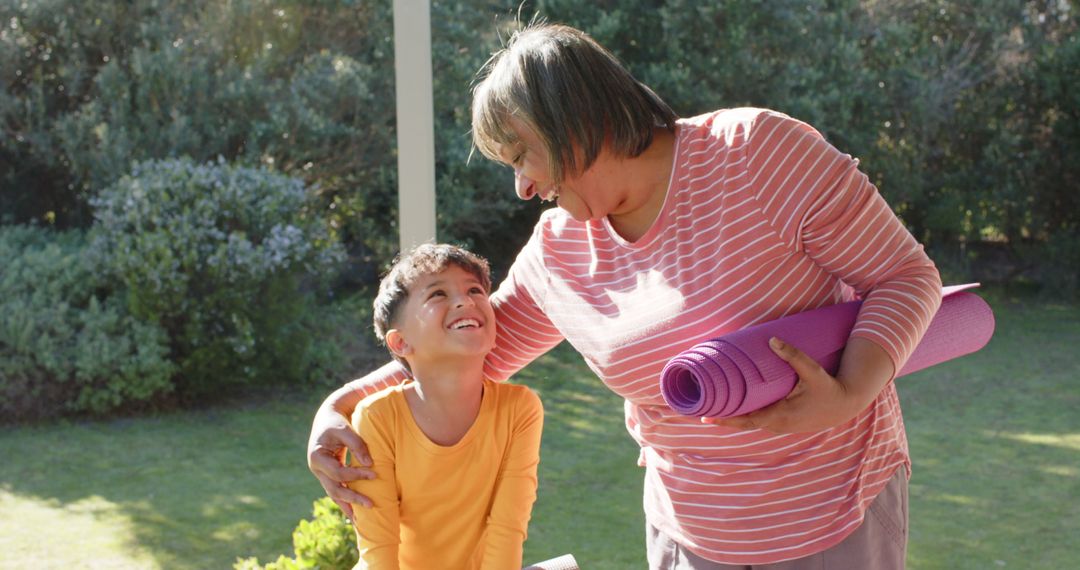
x=415, y=122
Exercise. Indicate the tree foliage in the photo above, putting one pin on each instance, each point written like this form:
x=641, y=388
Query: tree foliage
x=964, y=114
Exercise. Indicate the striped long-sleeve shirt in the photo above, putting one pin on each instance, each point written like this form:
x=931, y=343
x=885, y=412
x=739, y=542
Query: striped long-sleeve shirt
x=763, y=218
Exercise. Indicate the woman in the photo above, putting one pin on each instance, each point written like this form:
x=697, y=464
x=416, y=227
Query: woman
x=669, y=231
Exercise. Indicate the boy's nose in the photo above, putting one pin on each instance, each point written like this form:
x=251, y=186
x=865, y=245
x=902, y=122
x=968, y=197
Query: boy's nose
x=525, y=186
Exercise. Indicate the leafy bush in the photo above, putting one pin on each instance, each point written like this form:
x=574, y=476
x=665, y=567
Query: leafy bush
x=302, y=88
x=1058, y=264
x=227, y=260
x=326, y=542
x=964, y=114
x=66, y=344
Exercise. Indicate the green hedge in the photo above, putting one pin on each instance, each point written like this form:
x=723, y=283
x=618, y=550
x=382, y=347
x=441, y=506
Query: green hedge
x=66, y=344
x=228, y=261
x=194, y=280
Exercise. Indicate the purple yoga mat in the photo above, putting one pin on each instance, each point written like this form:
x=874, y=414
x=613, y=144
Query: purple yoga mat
x=738, y=373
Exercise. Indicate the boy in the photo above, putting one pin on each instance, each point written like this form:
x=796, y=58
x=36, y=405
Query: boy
x=454, y=454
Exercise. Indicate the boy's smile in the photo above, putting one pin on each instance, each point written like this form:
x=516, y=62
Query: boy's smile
x=465, y=323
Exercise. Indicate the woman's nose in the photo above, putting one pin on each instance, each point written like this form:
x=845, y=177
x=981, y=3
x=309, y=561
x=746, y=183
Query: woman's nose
x=525, y=186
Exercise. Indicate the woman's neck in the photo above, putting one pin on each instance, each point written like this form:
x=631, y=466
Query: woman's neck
x=647, y=178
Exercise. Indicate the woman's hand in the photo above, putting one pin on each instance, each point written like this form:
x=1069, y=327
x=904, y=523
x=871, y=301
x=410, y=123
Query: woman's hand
x=819, y=401
x=331, y=436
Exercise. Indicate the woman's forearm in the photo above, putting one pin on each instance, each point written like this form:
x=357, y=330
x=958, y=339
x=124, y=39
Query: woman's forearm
x=865, y=369
x=344, y=399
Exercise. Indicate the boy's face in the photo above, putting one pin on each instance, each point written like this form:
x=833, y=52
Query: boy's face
x=447, y=315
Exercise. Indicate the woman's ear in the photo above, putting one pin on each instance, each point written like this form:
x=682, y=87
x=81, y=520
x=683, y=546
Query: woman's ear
x=395, y=341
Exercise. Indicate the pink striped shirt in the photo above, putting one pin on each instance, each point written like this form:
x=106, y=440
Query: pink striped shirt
x=763, y=218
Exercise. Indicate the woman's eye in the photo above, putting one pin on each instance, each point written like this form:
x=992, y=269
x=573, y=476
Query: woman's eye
x=437, y=293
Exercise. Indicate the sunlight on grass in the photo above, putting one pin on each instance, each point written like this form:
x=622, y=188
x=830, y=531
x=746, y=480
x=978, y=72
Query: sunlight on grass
x=244, y=530
x=1062, y=470
x=964, y=500
x=1063, y=440
x=186, y=490
x=220, y=504
x=90, y=532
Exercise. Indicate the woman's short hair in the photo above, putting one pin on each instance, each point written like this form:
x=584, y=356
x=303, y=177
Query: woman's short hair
x=572, y=92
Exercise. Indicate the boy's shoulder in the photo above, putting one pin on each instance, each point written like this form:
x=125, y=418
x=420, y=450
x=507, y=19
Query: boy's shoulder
x=507, y=388
x=380, y=403
x=514, y=394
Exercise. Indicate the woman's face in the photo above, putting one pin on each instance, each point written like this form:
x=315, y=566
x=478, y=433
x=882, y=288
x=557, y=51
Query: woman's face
x=582, y=196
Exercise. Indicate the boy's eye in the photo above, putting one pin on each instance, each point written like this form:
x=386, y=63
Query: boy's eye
x=437, y=293
x=476, y=291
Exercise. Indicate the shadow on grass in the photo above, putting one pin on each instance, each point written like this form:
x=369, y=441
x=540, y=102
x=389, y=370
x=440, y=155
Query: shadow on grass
x=194, y=489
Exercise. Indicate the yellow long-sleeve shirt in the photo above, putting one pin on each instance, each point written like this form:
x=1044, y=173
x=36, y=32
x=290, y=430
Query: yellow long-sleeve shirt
x=463, y=506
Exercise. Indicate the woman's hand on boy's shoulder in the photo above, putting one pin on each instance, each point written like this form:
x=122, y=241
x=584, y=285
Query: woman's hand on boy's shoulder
x=331, y=437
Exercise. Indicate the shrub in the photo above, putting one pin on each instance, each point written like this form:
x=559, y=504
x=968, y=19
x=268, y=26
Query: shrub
x=304, y=88
x=343, y=341
x=1058, y=264
x=326, y=542
x=66, y=343
x=965, y=115
x=227, y=260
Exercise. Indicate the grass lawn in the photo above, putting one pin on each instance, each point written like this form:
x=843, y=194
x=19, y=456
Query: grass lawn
x=995, y=439
x=995, y=445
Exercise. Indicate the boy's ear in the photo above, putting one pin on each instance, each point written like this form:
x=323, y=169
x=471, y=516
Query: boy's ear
x=395, y=341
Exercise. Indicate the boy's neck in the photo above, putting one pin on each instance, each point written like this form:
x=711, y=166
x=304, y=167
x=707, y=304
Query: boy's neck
x=446, y=397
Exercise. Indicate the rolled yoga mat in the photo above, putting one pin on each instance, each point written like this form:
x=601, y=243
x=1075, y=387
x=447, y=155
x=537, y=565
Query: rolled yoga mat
x=738, y=373
x=564, y=562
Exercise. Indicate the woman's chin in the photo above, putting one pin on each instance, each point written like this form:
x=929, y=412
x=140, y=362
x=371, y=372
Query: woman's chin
x=579, y=215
